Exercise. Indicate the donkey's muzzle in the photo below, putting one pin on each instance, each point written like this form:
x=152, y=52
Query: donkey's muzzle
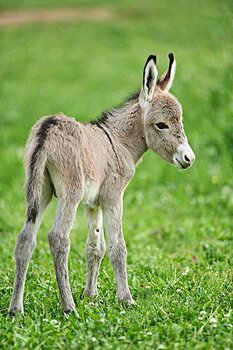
x=184, y=156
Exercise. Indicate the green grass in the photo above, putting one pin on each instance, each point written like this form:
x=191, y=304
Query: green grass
x=178, y=225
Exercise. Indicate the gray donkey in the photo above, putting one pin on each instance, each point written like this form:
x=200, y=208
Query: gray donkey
x=92, y=163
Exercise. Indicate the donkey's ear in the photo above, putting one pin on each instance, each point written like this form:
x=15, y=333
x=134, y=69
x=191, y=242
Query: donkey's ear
x=166, y=80
x=150, y=75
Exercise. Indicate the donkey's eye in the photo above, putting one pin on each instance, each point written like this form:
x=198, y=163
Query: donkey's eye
x=162, y=126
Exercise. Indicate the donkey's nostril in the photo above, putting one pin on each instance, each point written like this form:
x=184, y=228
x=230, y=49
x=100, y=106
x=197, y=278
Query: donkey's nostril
x=186, y=159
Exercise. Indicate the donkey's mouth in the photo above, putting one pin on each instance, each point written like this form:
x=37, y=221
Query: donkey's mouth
x=181, y=165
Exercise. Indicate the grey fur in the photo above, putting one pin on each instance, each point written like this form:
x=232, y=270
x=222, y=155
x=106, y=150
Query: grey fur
x=92, y=164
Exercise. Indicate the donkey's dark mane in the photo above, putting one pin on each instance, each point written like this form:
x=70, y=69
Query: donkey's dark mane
x=103, y=118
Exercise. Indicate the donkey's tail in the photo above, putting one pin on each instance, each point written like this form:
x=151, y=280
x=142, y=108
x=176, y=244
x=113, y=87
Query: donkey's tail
x=36, y=159
x=34, y=182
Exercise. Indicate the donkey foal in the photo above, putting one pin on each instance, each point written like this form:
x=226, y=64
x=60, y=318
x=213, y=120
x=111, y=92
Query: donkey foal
x=92, y=163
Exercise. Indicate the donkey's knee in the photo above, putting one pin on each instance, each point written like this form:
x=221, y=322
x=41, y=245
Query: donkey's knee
x=59, y=244
x=25, y=245
x=117, y=252
x=95, y=250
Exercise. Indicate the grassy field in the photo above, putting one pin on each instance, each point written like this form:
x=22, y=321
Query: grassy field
x=180, y=246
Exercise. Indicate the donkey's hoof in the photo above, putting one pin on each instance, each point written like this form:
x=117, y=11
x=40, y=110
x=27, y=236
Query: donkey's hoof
x=16, y=311
x=71, y=312
x=127, y=300
x=90, y=293
x=68, y=307
x=68, y=311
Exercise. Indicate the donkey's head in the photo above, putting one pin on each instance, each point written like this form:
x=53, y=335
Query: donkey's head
x=162, y=115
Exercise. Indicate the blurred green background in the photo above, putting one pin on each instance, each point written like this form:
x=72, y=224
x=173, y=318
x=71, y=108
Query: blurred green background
x=178, y=225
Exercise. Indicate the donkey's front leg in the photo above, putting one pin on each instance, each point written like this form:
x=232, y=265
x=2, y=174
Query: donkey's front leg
x=117, y=249
x=95, y=249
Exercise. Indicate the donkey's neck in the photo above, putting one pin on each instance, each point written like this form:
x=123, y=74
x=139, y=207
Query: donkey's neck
x=126, y=124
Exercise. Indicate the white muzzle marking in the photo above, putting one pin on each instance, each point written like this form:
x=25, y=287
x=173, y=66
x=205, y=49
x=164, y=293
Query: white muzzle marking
x=184, y=156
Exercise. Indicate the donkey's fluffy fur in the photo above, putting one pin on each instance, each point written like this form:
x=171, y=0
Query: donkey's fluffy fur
x=92, y=163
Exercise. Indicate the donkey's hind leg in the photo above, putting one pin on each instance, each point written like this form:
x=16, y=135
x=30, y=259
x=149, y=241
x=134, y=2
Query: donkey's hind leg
x=60, y=245
x=95, y=249
x=25, y=246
